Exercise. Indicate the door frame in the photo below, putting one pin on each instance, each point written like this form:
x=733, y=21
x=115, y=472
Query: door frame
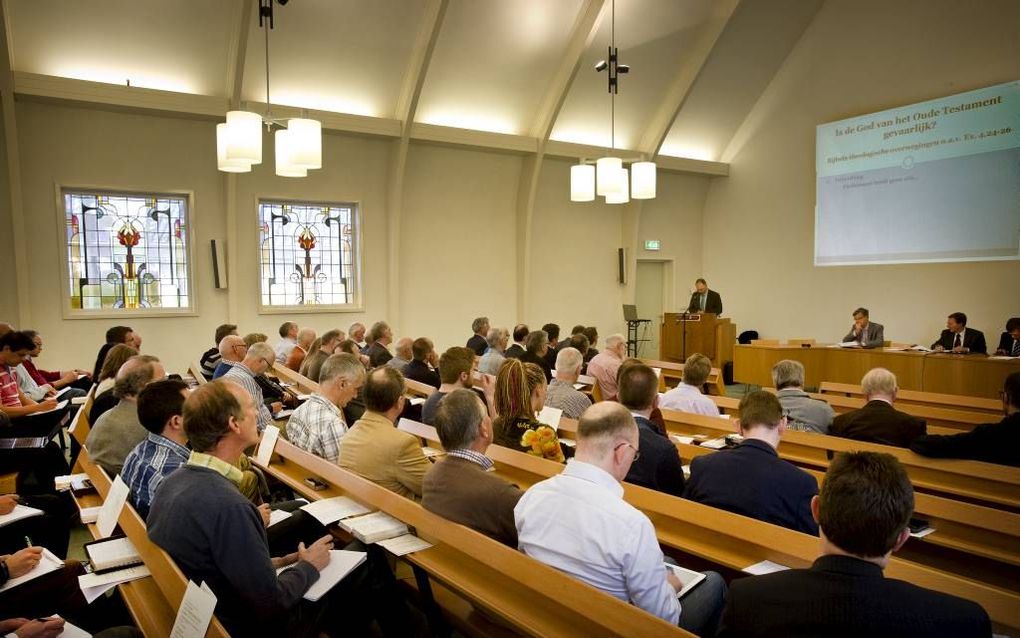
x=668, y=287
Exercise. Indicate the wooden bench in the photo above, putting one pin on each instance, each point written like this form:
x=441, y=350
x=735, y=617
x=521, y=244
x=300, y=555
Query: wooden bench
x=520, y=592
x=732, y=541
x=953, y=401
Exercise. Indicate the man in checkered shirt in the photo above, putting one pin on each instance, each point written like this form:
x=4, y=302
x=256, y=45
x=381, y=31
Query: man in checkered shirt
x=318, y=425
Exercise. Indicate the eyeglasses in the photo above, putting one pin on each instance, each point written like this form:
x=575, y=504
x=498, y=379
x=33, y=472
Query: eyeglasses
x=637, y=453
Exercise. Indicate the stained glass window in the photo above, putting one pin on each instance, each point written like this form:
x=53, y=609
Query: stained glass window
x=308, y=254
x=127, y=250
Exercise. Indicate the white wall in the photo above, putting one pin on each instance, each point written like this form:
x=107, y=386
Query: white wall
x=858, y=56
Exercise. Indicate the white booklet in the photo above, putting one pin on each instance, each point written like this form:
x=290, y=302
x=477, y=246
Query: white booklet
x=406, y=544
x=550, y=416
x=374, y=527
x=18, y=513
x=195, y=613
x=112, y=506
x=341, y=563
x=330, y=510
x=688, y=578
x=48, y=563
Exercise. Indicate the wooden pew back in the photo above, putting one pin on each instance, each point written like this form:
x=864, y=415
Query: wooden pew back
x=675, y=371
x=952, y=401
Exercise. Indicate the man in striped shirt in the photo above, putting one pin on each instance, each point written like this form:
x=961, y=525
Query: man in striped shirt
x=318, y=425
x=259, y=359
x=561, y=392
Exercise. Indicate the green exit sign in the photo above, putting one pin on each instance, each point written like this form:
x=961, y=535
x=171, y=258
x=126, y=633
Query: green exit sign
x=652, y=244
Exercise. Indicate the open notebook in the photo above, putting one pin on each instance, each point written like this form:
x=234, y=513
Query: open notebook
x=341, y=563
x=112, y=553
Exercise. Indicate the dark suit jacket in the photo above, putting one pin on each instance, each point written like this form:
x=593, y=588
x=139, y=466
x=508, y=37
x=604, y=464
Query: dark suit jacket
x=478, y=344
x=878, y=422
x=752, y=480
x=992, y=443
x=659, y=466
x=101, y=404
x=421, y=372
x=514, y=351
x=845, y=596
x=873, y=337
x=1005, y=342
x=713, y=303
x=973, y=340
x=378, y=355
x=530, y=357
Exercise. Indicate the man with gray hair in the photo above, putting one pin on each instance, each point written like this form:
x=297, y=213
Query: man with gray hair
x=480, y=328
x=878, y=421
x=864, y=332
x=118, y=431
x=318, y=425
x=380, y=336
x=259, y=359
x=579, y=523
x=561, y=393
x=287, y=342
x=404, y=354
x=494, y=357
x=605, y=365
x=803, y=412
x=357, y=334
x=305, y=338
x=460, y=487
x=232, y=349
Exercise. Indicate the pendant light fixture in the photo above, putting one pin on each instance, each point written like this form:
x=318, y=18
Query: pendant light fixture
x=239, y=139
x=608, y=178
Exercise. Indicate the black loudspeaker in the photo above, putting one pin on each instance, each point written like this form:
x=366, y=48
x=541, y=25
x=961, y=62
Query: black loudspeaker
x=219, y=265
x=621, y=257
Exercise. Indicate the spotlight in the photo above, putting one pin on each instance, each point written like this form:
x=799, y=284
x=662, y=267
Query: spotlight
x=601, y=65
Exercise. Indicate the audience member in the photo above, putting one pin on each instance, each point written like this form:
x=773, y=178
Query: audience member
x=658, y=467
x=517, y=348
x=579, y=523
x=686, y=396
x=864, y=332
x=992, y=443
x=960, y=339
x=260, y=358
x=519, y=395
x=165, y=447
x=357, y=334
x=380, y=337
x=232, y=350
x=455, y=368
x=593, y=338
x=317, y=356
x=1009, y=341
x=460, y=486
x=863, y=513
x=552, y=333
x=561, y=393
x=493, y=358
x=115, y=358
x=537, y=348
x=305, y=337
x=751, y=479
x=878, y=421
x=403, y=356
x=424, y=363
x=318, y=425
x=606, y=364
x=288, y=341
x=252, y=338
x=211, y=357
x=118, y=431
x=55, y=378
x=803, y=412
x=480, y=328
x=27, y=417
x=375, y=449
x=115, y=335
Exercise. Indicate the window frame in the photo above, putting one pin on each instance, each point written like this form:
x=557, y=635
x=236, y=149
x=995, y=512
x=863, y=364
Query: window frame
x=357, y=304
x=67, y=312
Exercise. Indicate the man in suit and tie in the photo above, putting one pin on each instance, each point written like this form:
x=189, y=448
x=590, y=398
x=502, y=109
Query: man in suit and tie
x=1009, y=342
x=705, y=300
x=864, y=332
x=863, y=513
x=751, y=479
x=959, y=339
x=878, y=421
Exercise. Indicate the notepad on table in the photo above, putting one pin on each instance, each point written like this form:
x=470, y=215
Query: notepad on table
x=374, y=527
x=19, y=512
x=112, y=553
x=688, y=578
x=341, y=563
x=330, y=510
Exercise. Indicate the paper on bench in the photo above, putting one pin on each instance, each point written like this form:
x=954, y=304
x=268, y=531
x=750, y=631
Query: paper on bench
x=331, y=510
x=48, y=563
x=112, y=506
x=89, y=514
x=195, y=613
x=266, y=445
x=405, y=544
x=764, y=567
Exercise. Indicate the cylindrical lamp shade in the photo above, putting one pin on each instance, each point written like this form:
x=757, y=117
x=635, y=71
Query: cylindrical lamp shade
x=244, y=137
x=621, y=196
x=608, y=176
x=306, y=136
x=222, y=163
x=642, y=180
x=285, y=155
x=582, y=183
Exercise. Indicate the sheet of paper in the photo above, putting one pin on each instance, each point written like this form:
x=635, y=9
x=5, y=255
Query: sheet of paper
x=60, y=406
x=112, y=506
x=1000, y=357
x=18, y=513
x=585, y=379
x=416, y=400
x=275, y=516
x=331, y=510
x=126, y=575
x=195, y=612
x=578, y=386
x=922, y=533
x=267, y=445
x=283, y=414
x=686, y=440
x=71, y=631
x=714, y=444
x=764, y=567
x=89, y=514
x=550, y=416
x=61, y=392
x=92, y=593
x=404, y=544
x=341, y=563
x=79, y=400
x=849, y=344
x=48, y=563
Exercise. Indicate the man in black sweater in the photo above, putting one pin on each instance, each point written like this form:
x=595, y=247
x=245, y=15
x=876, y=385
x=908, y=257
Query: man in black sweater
x=863, y=513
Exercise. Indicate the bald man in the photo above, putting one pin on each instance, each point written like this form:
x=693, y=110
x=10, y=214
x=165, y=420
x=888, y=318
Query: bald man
x=403, y=356
x=233, y=350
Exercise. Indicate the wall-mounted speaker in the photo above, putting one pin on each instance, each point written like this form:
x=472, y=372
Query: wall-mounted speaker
x=219, y=265
x=621, y=257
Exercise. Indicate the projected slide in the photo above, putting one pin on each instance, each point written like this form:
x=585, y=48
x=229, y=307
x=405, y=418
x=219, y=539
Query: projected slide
x=934, y=181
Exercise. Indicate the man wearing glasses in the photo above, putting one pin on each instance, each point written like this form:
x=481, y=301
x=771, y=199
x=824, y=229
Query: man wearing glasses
x=232, y=351
x=259, y=359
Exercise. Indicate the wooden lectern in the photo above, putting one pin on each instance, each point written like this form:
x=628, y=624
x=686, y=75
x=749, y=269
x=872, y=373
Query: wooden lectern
x=684, y=333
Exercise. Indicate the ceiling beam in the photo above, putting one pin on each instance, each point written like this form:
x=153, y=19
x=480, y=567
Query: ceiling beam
x=239, y=52
x=421, y=57
x=662, y=121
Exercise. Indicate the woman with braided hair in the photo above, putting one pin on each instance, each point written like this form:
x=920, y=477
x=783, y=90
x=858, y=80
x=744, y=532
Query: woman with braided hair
x=519, y=394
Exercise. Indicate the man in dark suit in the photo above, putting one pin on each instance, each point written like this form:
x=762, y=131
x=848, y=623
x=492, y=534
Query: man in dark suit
x=477, y=342
x=751, y=479
x=704, y=300
x=958, y=338
x=658, y=466
x=517, y=348
x=878, y=421
x=552, y=331
x=1009, y=342
x=537, y=348
x=863, y=513
x=424, y=362
x=864, y=332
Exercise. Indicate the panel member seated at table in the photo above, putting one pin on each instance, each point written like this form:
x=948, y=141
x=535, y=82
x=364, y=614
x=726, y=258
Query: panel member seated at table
x=878, y=421
x=863, y=513
x=1009, y=341
x=958, y=338
x=992, y=443
x=864, y=332
x=803, y=412
x=751, y=480
x=704, y=300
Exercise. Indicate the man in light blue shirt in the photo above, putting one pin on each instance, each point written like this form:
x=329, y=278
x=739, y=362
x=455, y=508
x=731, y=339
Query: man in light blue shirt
x=579, y=523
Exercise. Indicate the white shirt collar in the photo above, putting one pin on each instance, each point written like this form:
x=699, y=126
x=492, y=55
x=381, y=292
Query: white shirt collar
x=593, y=474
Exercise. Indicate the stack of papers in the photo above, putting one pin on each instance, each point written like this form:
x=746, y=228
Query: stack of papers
x=331, y=510
x=374, y=527
x=18, y=513
x=95, y=585
x=406, y=544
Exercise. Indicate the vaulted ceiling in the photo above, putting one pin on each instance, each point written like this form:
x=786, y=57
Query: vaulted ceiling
x=520, y=68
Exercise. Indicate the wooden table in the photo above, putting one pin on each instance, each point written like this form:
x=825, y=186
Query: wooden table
x=971, y=375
